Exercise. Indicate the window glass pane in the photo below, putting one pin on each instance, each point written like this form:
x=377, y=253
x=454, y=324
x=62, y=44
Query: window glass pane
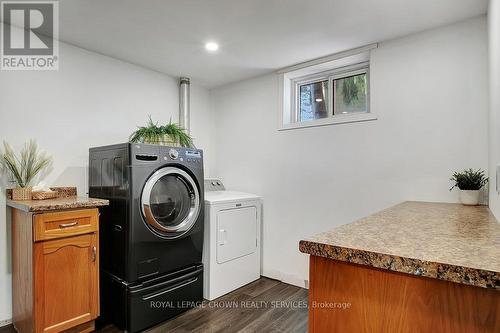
x=351, y=94
x=313, y=101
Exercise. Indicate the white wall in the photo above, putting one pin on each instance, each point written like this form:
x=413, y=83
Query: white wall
x=430, y=93
x=92, y=100
x=494, y=49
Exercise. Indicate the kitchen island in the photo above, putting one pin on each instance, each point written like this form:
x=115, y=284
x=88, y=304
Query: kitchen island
x=415, y=267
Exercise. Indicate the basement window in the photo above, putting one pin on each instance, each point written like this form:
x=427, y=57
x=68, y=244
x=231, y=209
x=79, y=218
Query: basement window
x=325, y=93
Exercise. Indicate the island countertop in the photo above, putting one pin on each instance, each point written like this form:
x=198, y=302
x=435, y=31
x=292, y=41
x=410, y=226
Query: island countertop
x=444, y=241
x=36, y=206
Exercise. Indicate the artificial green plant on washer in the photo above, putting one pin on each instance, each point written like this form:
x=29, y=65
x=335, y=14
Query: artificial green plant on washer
x=170, y=134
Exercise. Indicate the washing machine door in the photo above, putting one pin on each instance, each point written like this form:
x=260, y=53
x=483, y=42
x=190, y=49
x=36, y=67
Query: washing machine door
x=170, y=202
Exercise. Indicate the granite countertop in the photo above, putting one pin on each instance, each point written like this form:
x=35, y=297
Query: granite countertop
x=449, y=242
x=56, y=204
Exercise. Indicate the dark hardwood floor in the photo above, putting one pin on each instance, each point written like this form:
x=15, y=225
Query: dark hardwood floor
x=262, y=306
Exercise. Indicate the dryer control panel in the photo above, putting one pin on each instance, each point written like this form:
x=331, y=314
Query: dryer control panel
x=214, y=184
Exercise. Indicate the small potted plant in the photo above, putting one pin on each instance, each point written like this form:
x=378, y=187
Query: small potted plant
x=167, y=135
x=23, y=169
x=469, y=183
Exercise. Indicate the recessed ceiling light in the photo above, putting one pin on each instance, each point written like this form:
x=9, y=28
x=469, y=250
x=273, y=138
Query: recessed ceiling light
x=211, y=46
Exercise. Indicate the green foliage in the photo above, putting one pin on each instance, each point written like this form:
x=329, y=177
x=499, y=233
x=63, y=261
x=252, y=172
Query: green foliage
x=353, y=87
x=27, y=166
x=178, y=134
x=469, y=179
x=152, y=133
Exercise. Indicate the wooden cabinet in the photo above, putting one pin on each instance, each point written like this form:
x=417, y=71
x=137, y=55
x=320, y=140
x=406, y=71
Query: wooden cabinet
x=345, y=297
x=55, y=271
x=66, y=282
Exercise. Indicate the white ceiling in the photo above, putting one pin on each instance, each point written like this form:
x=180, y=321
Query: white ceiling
x=255, y=36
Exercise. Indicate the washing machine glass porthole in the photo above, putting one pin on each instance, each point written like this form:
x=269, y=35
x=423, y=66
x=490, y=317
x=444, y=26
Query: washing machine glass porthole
x=170, y=202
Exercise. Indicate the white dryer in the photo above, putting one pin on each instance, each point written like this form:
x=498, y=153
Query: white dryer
x=231, y=247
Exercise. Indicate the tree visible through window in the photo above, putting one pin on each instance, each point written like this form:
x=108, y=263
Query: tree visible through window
x=347, y=90
x=314, y=100
x=351, y=94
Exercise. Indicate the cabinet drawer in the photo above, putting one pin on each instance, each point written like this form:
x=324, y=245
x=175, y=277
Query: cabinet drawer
x=64, y=224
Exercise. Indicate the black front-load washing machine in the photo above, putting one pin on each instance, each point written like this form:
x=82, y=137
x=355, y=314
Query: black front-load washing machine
x=151, y=234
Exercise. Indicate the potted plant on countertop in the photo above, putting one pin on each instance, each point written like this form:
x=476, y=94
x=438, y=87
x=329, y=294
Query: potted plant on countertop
x=23, y=169
x=167, y=135
x=469, y=183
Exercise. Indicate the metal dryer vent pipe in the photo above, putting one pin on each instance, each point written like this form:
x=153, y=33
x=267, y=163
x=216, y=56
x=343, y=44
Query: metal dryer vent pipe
x=184, y=108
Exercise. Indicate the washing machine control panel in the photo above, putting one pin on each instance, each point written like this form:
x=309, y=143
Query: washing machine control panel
x=193, y=156
x=214, y=184
x=182, y=155
x=174, y=154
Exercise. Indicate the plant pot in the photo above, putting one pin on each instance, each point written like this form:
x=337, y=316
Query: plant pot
x=469, y=197
x=165, y=140
x=168, y=141
x=21, y=193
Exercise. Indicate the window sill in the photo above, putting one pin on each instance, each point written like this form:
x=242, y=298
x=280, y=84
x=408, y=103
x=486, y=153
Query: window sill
x=338, y=119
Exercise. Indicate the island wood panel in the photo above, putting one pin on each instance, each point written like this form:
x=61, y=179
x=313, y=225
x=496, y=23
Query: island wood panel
x=384, y=301
x=22, y=271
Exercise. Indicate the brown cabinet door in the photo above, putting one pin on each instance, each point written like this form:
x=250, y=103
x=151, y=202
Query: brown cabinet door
x=66, y=282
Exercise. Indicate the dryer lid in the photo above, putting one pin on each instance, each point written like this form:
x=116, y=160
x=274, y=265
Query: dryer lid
x=215, y=197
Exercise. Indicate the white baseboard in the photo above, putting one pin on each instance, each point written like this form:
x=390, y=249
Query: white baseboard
x=272, y=274
x=5, y=322
x=286, y=278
